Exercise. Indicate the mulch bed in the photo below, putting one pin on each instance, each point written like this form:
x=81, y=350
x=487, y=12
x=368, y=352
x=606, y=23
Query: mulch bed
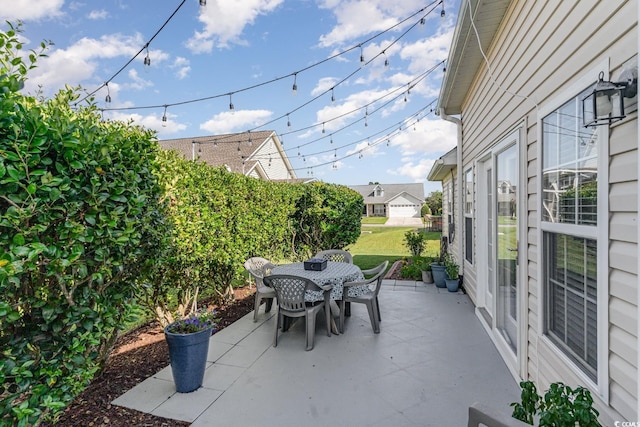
x=137, y=355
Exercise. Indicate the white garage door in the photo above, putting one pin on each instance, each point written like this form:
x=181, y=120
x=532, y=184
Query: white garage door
x=404, y=211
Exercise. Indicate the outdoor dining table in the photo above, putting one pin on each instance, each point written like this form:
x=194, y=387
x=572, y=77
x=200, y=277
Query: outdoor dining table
x=335, y=274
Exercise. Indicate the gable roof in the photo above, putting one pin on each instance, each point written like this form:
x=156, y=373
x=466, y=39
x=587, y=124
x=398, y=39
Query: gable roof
x=465, y=57
x=237, y=151
x=443, y=166
x=391, y=191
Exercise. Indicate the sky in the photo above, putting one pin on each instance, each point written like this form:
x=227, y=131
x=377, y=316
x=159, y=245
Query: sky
x=367, y=73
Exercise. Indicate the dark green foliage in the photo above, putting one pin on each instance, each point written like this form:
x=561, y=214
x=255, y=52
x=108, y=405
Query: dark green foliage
x=434, y=201
x=327, y=216
x=561, y=406
x=78, y=206
x=425, y=210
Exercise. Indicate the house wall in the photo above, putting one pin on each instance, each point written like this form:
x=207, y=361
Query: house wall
x=536, y=36
x=276, y=168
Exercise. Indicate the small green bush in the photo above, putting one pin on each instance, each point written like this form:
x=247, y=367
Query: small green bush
x=561, y=406
x=415, y=242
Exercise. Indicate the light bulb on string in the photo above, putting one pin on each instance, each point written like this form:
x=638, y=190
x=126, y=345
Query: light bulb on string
x=203, y=2
x=422, y=21
x=361, y=56
x=147, y=59
x=335, y=154
x=294, y=88
x=388, y=142
x=288, y=121
x=333, y=98
x=231, y=107
x=386, y=59
x=322, y=127
x=238, y=146
x=331, y=139
x=199, y=148
x=442, y=12
x=164, y=117
x=215, y=143
x=108, y=97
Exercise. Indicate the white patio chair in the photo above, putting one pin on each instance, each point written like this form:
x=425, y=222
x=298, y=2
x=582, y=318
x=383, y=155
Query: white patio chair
x=335, y=255
x=290, y=292
x=364, y=292
x=257, y=267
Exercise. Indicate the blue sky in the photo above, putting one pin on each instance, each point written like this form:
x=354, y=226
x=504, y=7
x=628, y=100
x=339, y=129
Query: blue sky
x=379, y=127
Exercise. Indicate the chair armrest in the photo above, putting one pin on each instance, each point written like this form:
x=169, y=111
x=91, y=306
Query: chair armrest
x=480, y=414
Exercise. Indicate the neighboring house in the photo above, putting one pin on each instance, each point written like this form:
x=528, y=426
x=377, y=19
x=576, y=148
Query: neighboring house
x=256, y=154
x=391, y=200
x=553, y=274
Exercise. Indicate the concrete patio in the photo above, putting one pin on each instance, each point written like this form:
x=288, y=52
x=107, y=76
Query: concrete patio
x=431, y=360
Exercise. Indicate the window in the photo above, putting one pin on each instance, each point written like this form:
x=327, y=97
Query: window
x=468, y=215
x=569, y=185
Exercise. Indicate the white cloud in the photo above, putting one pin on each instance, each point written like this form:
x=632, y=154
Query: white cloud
x=152, y=121
x=138, y=82
x=359, y=17
x=98, y=14
x=224, y=22
x=79, y=62
x=430, y=137
x=25, y=10
x=182, y=67
x=416, y=169
x=237, y=121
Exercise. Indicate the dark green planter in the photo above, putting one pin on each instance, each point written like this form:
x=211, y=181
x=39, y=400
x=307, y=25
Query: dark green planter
x=438, y=274
x=188, y=354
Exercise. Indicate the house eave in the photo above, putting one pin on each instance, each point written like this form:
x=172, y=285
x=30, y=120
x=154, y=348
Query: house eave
x=443, y=166
x=465, y=57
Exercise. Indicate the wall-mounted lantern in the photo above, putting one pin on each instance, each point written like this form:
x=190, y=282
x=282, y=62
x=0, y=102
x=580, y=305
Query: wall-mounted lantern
x=605, y=104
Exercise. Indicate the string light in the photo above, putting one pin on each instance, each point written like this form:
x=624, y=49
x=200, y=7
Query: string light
x=203, y=2
x=231, y=107
x=199, y=148
x=442, y=13
x=249, y=142
x=422, y=21
x=164, y=117
x=386, y=59
x=322, y=127
x=108, y=97
x=147, y=59
x=288, y=121
x=294, y=88
x=361, y=56
x=333, y=98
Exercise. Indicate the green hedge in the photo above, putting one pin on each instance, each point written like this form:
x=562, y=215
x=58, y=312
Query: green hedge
x=78, y=210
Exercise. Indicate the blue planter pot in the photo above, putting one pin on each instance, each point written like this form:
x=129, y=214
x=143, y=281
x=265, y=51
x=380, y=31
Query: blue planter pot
x=438, y=274
x=188, y=354
x=452, y=284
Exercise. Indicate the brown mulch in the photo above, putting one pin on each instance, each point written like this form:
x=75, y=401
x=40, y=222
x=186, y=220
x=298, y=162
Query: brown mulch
x=137, y=355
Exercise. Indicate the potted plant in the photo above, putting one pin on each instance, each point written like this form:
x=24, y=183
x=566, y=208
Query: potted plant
x=425, y=269
x=188, y=341
x=452, y=281
x=438, y=271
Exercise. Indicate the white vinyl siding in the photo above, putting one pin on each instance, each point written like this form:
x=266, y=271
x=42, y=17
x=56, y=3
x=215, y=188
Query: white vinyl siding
x=541, y=48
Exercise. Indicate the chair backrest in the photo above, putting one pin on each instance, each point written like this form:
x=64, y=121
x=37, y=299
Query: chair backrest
x=290, y=290
x=255, y=267
x=378, y=276
x=335, y=255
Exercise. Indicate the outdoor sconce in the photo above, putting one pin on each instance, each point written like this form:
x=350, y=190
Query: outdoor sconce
x=605, y=104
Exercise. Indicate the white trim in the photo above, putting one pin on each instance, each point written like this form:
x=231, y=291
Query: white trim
x=465, y=215
x=600, y=233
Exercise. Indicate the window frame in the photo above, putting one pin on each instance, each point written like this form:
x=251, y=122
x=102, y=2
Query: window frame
x=599, y=233
x=468, y=214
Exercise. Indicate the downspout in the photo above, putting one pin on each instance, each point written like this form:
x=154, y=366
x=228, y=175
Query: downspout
x=458, y=199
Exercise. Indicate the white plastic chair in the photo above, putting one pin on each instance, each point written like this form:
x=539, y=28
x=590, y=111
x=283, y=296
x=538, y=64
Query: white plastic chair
x=257, y=267
x=335, y=255
x=364, y=292
x=290, y=292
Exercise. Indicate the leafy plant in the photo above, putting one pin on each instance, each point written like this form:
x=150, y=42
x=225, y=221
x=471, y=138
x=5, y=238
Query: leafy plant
x=415, y=242
x=194, y=323
x=561, y=406
x=80, y=214
x=451, y=267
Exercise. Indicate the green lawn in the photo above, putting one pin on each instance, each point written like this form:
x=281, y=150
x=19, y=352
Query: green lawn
x=374, y=220
x=377, y=244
